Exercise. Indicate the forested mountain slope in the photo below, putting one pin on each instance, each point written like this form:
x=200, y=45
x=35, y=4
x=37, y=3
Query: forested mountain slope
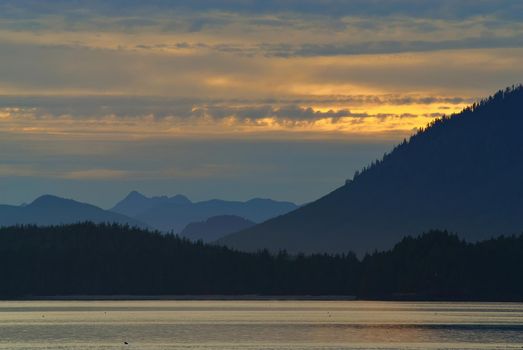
x=462, y=173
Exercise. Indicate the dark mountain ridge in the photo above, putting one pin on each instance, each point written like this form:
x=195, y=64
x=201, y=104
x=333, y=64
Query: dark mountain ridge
x=215, y=227
x=136, y=203
x=51, y=210
x=462, y=173
x=175, y=213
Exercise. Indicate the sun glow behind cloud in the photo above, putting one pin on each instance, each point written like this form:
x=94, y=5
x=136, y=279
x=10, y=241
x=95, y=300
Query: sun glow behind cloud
x=220, y=120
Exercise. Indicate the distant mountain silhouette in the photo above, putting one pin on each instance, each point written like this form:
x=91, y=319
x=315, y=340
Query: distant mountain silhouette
x=136, y=203
x=463, y=173
x=174, y=213
x=52, y=210
x=215, y=227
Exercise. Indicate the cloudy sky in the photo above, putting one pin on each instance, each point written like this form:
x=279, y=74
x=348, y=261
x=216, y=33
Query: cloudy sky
x=233, y=99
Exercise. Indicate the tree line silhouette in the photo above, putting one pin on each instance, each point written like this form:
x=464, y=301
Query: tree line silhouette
x=90, y=259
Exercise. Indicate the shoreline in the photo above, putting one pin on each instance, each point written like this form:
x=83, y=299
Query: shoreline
x=248, y=297
x=184, y=298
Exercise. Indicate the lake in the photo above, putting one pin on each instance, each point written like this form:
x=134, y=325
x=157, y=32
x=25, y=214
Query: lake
x=259, y=325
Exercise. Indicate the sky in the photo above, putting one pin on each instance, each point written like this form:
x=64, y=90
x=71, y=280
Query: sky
x=233, y=99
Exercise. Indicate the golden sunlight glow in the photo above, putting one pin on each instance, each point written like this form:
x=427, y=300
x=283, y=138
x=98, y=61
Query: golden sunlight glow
x=111, y=126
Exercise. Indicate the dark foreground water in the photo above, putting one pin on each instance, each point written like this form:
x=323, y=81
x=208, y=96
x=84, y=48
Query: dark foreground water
x=259, y=325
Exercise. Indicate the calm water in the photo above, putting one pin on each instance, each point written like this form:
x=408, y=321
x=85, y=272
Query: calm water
x=259, y=325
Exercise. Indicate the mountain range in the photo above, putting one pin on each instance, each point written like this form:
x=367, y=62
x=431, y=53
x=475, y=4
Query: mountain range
x=51, y=210
x=210, y=219
x=462, y=173
x=175, y=213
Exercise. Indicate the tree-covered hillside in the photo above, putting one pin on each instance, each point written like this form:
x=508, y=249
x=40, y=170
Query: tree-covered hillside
x=89, y=259
x=462, y=173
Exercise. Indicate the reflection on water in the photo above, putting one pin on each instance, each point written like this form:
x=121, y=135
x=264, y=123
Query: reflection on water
x=259, y=325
